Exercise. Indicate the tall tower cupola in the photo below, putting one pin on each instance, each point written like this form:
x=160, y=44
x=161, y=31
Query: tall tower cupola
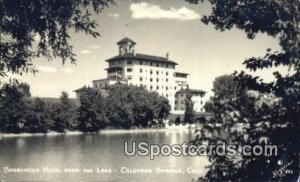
x=126, y=45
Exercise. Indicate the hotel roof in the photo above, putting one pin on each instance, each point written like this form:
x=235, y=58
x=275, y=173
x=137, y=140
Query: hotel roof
x=142, y=57
x=181, y=73
x=125, y=40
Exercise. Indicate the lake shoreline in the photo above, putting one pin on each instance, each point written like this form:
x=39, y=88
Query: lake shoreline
x=104, y=131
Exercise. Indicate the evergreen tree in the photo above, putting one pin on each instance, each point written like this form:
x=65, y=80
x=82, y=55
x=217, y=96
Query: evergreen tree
x=177, y=120
x=189, y=113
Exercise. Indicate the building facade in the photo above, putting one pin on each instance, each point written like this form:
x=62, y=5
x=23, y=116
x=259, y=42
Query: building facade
x=197, y=97
x=154, y=73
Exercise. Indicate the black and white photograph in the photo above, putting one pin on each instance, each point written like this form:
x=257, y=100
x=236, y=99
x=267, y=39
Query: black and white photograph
x=149, y=90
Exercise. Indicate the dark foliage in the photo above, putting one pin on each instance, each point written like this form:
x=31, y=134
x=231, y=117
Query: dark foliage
x=91, y=113
x=48, y=21
x=261, y=113
x=177, y=120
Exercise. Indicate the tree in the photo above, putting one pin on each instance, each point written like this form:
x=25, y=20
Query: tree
x=177, y=120
x=265, y=112
x=189, y=113
x=92, y=111
x=12, y=107
x=225, y=87
x=47, y=21
x=36, y=117
x=63, y=114
x=130, y=106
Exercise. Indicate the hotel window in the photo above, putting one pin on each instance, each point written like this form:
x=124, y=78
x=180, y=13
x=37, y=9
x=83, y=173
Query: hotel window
x=174, y=88
x=167, y=88
x=150, y=72
x=129, y=62
x=157, y=72
x=141, y=70
x=141, y=78
x=151, y=87
x=129, y=69
x=157, y=64
x=150, y=63
x=157, y=87
x=157, y=79
x=167, y=73
x=167, y=95
x=141, y=62
x=167, y=80
x=151, y=79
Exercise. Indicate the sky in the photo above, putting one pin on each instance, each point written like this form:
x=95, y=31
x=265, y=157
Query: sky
x=158, y=27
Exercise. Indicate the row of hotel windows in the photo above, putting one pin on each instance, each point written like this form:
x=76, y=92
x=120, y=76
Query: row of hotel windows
x=151, y=72
x=157, y=87
x=149, y=63
x=151, y=79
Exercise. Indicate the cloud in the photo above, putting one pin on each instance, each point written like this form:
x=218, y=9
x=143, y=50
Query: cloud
x=68, y=70
x=46, y=69
x=149, y=11
x=93, y=46
x=114, y=15
x=85, y=51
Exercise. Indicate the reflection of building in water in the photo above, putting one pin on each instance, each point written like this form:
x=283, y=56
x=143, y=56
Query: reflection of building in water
x=154, y=73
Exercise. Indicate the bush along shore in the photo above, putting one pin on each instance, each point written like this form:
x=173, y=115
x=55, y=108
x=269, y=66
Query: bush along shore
x=123, y=107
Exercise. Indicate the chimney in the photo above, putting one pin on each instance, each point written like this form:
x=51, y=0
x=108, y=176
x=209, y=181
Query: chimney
x=133, y=52
x=167, y=56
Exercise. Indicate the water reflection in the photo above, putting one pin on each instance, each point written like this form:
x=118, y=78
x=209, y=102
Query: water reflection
x=92, y=151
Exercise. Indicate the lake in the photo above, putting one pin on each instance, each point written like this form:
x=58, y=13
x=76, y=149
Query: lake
x=95, y=157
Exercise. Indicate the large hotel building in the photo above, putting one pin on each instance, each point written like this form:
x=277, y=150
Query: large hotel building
x=151, y=72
